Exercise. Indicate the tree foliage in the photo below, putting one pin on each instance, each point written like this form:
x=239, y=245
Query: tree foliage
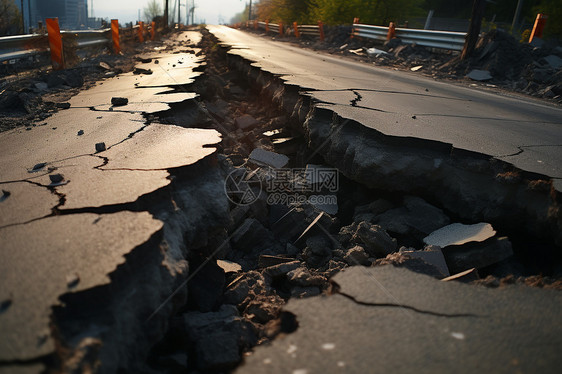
x=152, y=10
x=10, y=18
x=339, y=11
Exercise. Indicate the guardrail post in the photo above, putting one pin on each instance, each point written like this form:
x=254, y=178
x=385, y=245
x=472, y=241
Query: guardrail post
x=140, y=32
x=281, y=29
x=267, y=26
x=321, y=30
x=152, y=30
x=540, y=21
x=296, y=27
x=55, y=43
x=115, y=36
x=391, y=31
x=255, y=24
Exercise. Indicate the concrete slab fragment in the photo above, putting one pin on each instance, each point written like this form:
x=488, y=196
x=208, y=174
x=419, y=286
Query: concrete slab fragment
x=42, y=256
x=91, y=187
x=263, y=157
x=431, y=256
x=479, y=75
x=403, y=322
x=459, y=234
x=24, y=202
x=162, y=147
x=554, y=61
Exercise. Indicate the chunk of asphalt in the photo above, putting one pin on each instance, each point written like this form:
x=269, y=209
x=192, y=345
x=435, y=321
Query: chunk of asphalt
x=81, y=132
x=62, y=105
x=56, y=178
x=142, y=71
x=39, y=166
x=119, y=101
x=5, y=195
x=100, y=147
x=261, y=156
x=246, y=122
x=479, y=75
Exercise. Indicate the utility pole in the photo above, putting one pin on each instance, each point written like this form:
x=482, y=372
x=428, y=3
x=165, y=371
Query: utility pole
x=166, y=15
x=179, y=16
x=22, y=19
x=473, y=33
x=250, y=11
x=517, y=14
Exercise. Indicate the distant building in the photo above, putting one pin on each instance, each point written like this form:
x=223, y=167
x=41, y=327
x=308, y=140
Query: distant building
x=72, y=14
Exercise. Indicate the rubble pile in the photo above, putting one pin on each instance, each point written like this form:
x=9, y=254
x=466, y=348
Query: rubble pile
x=273, y=251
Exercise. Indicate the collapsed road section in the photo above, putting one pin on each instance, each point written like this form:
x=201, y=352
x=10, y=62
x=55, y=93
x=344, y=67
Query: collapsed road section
x=175, y=227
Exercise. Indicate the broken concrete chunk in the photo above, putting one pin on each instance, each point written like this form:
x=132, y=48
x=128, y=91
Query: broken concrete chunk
x=251, y=234
x=267, y=158
x=281, y=269
x=371, y=52
x=119, y=101
x=459, y=234
x=433, y=256
x=56, y=178
x=41, y=86
x=302, y=292
x=303, y=277
x=376, y=240
x=554, y=61
x=218, y=352
x=416, y=68
x=357, y=256
x=38, y=166
x=142, y=71
x=477, y=255
x=246, y=122
x=417, y=218
x=229, y=266
x=62, y=105
x=400, y=259
x=479, y=75
x=100, y=147
x=72, y=280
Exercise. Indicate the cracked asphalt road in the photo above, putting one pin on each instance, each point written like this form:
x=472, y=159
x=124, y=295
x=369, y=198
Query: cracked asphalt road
x=54, y=238
x=392, y=320
x=404, y=104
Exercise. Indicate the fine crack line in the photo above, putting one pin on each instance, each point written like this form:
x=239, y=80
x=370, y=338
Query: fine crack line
x=481, y=118
x=402, y=306
x=521, y=150
x=389, y=92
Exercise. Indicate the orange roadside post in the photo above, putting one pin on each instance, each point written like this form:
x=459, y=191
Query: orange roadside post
x=391, y=31
x=141, y=32
x=255, y=24
x=267, y=26
x=321, y=30
x=55, y=43
x=540, y=21
x=152, y=30
x=296, y=27
x=281, y=29
x=115, y=36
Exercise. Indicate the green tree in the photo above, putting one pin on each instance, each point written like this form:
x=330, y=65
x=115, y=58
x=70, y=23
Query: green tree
x=152, y=10
x=10, y=18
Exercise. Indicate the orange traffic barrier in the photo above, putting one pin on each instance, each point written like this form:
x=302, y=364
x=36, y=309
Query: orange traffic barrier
x=356, y=20
x=152, y=30
x=296, y=27
x=540, y=21
x=55, y=43
x=141, y=32
x=115, y=36
x=267, y=26
x=391, y=31
x=281, y=29
x=321, y=30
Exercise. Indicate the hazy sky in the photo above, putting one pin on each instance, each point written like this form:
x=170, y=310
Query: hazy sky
x=211, y=11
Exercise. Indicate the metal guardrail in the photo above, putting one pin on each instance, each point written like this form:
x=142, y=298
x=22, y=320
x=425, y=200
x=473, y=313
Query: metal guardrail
x=428, y=38
x=23, y=46
x=313, y=30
